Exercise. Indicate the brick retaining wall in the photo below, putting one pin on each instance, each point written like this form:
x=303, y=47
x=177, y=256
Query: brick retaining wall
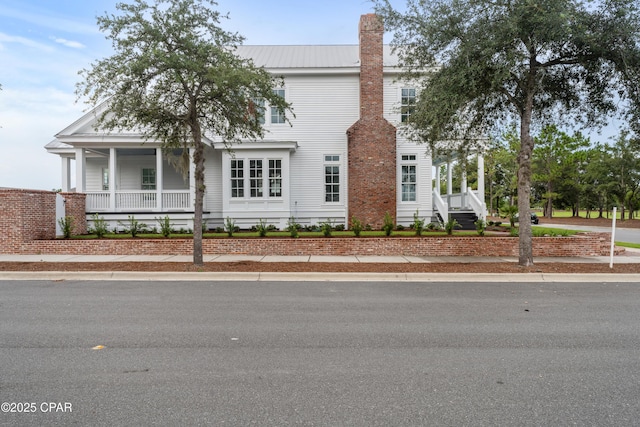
x=587, y=244
x=27, y=226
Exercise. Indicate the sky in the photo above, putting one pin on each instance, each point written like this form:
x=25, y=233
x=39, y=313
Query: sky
x=44, y=43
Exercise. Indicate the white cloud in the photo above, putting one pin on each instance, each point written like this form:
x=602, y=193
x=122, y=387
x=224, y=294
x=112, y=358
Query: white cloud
x=68, y=43
x=6, y=38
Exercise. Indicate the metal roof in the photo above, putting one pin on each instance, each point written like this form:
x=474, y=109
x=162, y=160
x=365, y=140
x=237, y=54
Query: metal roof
x=311, y=56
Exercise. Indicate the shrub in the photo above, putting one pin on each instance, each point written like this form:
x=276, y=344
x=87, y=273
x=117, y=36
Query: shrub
x=510, y=212
x=66, y=224
x=133, y=226
x=326, y=227
x=229, y=226
x=339, y=227
x=292, y=227
x=480, y=227
x=166, y=227
x=418, y=224
x=388, y=224
x=514, y=232
x=99, y=226
x=262, y=228
x=450, y=225
x=356, y=226
x=433, y=226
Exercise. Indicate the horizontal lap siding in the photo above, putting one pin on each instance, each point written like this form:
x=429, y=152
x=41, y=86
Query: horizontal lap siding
x=325, y=107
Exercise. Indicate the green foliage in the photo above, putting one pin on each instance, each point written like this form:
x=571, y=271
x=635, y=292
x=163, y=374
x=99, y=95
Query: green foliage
x=66, y=225
x=450, y=225
x=356, y=226
x=229, y=226
x=573, y=62
x=175, y=76
x=99, y=226
x=166, y=227
x=326, y=227
x=292, y=227
x=418, y=224
x=514, y=232
x=480, y=227
x=133, y=226
x=262, y=228
x=387, y=224
x=510, y=212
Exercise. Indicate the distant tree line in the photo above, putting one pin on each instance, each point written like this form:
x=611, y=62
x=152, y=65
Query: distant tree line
x=568, y=173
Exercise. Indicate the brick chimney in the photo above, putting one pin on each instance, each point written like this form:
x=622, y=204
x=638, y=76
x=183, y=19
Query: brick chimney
x=372, y=139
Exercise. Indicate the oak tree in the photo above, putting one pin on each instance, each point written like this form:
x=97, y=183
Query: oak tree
x=176, y=78
x=533, y=62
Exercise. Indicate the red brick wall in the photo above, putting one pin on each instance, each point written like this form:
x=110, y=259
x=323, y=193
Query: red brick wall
x=372, y=139
x=587, y=244
x=26, y=215
x=75, y=207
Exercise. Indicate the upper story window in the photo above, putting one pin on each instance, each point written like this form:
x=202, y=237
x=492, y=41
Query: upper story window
x=409, y=179
x=407, y=104
x=332, y=178
x=277, y=116
x=257, y=109
x=148, y=179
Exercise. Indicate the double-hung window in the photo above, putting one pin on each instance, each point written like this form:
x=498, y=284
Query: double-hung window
x=275, y=178
x=409, y=177
x=148, y=179
x=255, y=178
x=105, y=179
x=407, y=104
x=332, y=178
x=237, y=178
x=277, y=116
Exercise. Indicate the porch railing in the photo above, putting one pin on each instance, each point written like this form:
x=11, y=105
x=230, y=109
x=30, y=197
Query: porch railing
x=475, y=204
x=441, y=206
x=139, y=200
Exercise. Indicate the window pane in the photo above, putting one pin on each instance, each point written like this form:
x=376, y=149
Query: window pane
x=237, y=178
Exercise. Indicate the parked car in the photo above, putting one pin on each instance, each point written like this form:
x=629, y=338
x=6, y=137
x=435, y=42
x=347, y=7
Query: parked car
x=534, y=218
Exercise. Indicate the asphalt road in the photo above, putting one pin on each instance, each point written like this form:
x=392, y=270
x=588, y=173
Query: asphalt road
x=326, y=354
x=628, y=235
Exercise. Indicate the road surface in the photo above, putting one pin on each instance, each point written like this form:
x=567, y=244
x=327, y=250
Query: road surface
x=325, y=354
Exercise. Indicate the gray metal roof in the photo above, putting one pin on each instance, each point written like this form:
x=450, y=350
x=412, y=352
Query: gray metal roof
x=312, y=56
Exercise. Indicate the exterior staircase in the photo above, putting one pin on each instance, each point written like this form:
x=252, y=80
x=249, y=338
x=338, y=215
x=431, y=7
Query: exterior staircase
x=466, y=219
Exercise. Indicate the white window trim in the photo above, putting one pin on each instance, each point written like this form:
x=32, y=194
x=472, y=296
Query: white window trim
x=409, y=162
x=341, y=176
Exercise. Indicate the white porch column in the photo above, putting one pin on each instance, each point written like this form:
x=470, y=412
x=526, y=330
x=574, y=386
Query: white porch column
x=438, y=179
x=449, y=179
x=81, y=170
x=192, y=180
x=66, y=174
x=463, y=188
x=112, y=178
x=159, y=180
x=481, y=180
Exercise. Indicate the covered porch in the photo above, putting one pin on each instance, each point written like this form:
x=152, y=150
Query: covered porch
x=466, y=205
x=129, y=180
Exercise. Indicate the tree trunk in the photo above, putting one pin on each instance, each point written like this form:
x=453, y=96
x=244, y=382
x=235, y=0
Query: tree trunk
x=198, y=160
x=525, y=242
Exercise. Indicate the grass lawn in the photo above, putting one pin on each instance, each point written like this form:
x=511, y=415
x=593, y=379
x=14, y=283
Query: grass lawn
x=582, y=214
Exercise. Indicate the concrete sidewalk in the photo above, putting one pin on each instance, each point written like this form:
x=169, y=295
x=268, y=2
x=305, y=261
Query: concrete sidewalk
x=629, y=256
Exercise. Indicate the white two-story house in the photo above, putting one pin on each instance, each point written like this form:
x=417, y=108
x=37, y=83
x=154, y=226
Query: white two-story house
x=343, y=155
